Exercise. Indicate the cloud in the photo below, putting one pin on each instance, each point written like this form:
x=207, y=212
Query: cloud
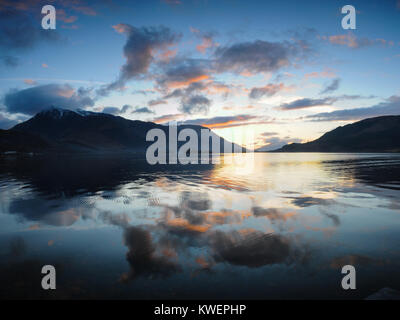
x=255, y=57
x=272, y=214
x=389, y=107
x=82, y=8
x=140, y=50
x=268, y=90
x=143, y=258
x=269, y=134
x=9, y=61
x=155, y=102
x=323, y=74
x=125, y=109
x=222, y=121
x=333, y=86
x=32, y=100
x=112, y=110
x=142, y=110
x=195, y=104
x=168, y=117
x=62, y=15
x=184, y=73
x=351, y=41
x=206, y=43
x=253, y=249
x=30, y=82
x=207, y=40
x=117, y=111
x=307, y=103
x=273, y=143
x=305, y=201
x=53, y=213
x=6, y=122
x=20, y=32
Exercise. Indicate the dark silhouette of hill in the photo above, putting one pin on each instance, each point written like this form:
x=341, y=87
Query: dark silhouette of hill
x=60, y=130
x=380, y=134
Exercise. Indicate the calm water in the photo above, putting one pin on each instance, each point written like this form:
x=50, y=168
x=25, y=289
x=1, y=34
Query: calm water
x=281, y=227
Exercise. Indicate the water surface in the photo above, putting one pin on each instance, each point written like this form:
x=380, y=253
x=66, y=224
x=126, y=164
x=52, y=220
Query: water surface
x=280, y=227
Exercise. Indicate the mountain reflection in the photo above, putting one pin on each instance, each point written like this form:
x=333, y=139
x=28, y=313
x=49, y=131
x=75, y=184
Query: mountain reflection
x=285, y=214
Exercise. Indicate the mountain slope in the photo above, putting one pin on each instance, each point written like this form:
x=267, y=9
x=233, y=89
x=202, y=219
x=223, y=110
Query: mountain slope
x=60, y=130
x=380, y=134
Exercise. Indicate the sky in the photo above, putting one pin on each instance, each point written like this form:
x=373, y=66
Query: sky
x=259, y=73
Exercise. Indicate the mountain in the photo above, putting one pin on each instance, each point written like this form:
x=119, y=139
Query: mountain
x=61, y=130
x=380, y=134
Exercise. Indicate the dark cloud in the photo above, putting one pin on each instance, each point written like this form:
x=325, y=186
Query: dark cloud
x=156, y=102
x=269, y=134
x=20, y=31
x=143, y=257
x=195, y=201
x=126, y=109
x=253, y=249
x=117, y=111
x=333, y=86
x=32, y=100
x=268, y=90
x=311, y=201
x=195, y=104
x=183, y=73
x=142, y=110
x=255, y=57
x=48, y=212
x=307, y=103
x=9, y=61
x=390, y=107
x=139, y=51
x=335, y=218
x=272, y=214
x=112, y=110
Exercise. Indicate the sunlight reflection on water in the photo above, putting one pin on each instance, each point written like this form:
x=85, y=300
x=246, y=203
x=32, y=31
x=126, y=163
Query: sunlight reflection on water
x=280, y=226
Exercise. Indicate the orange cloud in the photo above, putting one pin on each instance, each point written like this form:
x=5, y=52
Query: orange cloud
x=85, y=10
x=327, y=73
x=178, y=84
x=205, y=44
x=31, y=82
x=168, y=54
x=62, y=15
x=34, y=227
x=168, y=117
x=183, y=223
x=121, y=28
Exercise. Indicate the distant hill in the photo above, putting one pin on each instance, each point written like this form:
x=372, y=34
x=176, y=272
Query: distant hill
x=61, y=130
x=380, y=134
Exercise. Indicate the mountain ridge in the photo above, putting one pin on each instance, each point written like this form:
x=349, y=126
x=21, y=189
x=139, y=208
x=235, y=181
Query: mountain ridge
x=378, y=134
x=63, y=130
